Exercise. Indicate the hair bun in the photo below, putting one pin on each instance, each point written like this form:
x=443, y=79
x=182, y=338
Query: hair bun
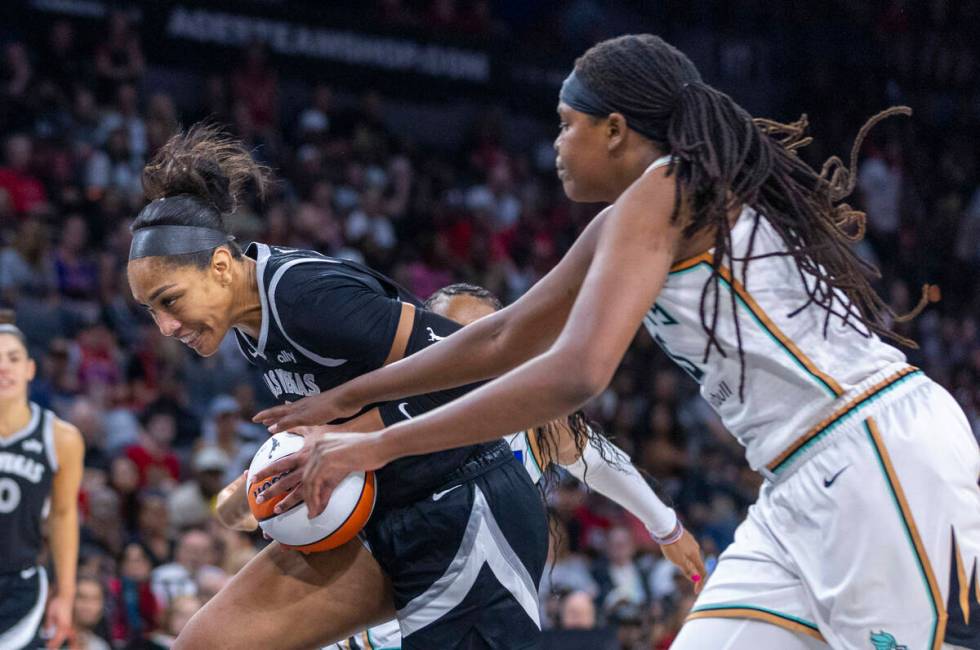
x=206, y=163
x=7, y=316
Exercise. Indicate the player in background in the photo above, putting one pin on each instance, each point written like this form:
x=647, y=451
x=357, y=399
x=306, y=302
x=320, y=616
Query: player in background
x=40, y=473
x=735, y=255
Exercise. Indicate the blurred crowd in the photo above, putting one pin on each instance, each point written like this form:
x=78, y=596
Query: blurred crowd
x=165, y=430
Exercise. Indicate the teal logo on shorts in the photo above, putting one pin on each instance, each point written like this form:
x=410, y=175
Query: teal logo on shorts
x=885, y=641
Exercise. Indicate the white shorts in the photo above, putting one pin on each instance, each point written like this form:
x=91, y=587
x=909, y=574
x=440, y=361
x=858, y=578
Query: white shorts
x=871, y=538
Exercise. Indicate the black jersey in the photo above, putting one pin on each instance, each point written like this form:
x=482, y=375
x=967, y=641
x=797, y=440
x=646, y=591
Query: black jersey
x=27, y=465
x=326, y=321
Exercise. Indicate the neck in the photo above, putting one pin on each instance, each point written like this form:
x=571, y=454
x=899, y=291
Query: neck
x=247, y=308
x=634, y=163
x=14, y=416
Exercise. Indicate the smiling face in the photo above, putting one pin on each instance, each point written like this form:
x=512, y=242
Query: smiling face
x=16, y=369
x=188, y=303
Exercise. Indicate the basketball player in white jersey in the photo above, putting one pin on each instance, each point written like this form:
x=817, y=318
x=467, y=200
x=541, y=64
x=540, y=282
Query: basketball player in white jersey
x=734, y=253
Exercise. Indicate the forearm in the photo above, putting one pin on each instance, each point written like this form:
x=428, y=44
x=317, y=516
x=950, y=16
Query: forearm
x=232, y=507
x=64, y=549
x=613, y=475
x=537, y=391
x=475, y=353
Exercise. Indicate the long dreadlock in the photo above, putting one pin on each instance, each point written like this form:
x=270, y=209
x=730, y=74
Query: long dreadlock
x=723, y=159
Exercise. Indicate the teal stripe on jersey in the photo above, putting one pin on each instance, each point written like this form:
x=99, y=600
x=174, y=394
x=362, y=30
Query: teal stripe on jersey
x=796, y=360
x=788, y=617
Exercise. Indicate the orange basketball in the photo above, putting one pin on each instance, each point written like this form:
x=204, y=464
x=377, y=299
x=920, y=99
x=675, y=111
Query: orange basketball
x=348, y=510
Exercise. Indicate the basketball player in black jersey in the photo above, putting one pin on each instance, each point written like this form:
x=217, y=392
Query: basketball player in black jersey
x=458, y=539
x=40, y=459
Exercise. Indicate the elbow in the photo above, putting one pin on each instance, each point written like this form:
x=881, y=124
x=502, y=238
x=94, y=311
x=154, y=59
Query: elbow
x=583, y=374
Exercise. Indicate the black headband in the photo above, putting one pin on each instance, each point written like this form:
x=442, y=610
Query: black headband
x=576, y=94
x=161, y=241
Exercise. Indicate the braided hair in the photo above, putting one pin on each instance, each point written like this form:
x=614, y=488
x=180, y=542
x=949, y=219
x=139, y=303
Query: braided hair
x=723, y=158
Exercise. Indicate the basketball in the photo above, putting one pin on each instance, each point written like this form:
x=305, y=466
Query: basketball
x=347, y=512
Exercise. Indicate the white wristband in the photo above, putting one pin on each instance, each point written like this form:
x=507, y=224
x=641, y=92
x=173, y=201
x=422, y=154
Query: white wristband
x=674, y=535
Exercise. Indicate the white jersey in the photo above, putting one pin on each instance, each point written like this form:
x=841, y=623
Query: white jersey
x=794, y=376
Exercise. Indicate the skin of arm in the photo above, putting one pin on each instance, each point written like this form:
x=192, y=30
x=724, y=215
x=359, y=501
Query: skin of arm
x=232, y=507
x=486, y=349
x=64, y=528
x=632, y=258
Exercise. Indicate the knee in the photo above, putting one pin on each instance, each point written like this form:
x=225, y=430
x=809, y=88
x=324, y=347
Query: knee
x=195, y=635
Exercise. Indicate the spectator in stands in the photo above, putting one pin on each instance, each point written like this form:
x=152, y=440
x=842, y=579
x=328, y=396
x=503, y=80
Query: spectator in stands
x=191, y=503
x=620, y=576
x=119, y=58
x=133, y=606
x=23, y=189
x=154, y=531
x=577, y=612
x=157, y=464
x=195, y=549
x=89, y=628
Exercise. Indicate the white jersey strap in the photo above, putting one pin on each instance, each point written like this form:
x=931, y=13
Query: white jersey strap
x=662, y=161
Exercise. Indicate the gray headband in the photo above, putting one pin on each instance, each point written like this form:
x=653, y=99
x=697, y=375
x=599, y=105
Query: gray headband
x=162, y=241
x=577, y=94
x=10, y=328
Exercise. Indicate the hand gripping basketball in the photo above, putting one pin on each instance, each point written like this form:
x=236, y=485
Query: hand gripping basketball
x=273, y=492
x=333, y=457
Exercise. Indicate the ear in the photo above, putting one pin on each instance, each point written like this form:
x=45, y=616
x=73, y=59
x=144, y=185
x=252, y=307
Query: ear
x=615, y=131
x=31, y=370
x=221, y=265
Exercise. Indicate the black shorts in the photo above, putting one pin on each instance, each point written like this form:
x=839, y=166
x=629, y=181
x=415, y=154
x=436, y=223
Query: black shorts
x=23, y=598
x=465, y=562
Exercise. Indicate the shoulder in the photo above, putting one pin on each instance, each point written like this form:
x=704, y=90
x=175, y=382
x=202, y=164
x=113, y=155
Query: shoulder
x=68, y=440
x=299, y=276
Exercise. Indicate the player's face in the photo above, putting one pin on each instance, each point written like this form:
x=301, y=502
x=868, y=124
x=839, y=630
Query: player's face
x=16, y=368
x=583, y=155
x=188, y=303
x=462, y=308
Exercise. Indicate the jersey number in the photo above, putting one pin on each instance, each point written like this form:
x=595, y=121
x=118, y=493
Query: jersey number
x=9, y=495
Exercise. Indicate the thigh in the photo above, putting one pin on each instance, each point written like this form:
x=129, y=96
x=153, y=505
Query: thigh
x=741, y=634
x=756, y=580
x=891, y=546
x=283, y=599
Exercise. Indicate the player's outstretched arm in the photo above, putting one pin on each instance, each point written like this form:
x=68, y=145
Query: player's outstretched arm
x=633, y=255
x=488, y=348
x=612, y=474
